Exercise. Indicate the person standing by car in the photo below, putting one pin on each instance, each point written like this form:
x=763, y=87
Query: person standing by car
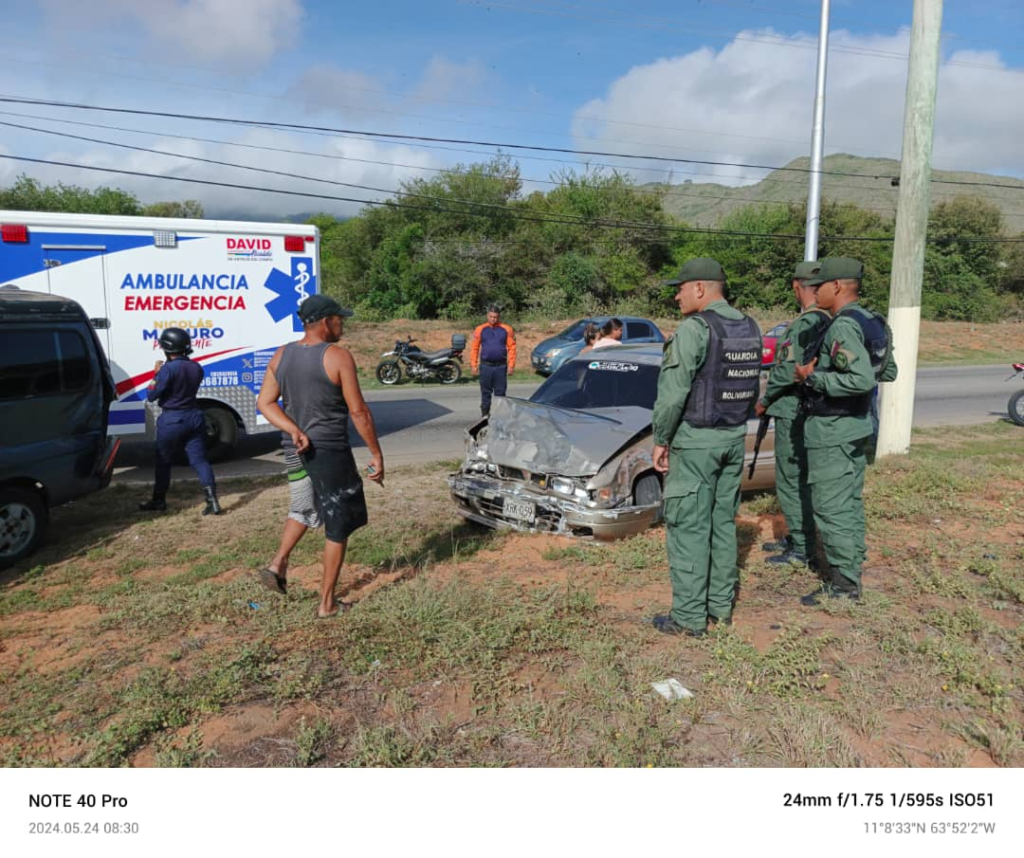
x=611, y=334
x=709, y=380
x=318, y=386
x=181, y=422
x=492, y=355
x=781, y=401
x=854, y=353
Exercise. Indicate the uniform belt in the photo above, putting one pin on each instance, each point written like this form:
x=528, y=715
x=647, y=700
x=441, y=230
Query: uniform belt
x=494, y=362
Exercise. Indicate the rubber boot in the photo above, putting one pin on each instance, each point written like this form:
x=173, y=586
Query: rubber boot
x=156, y=504
x=212, y=504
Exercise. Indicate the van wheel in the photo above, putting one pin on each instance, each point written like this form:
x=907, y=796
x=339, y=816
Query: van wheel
x=22, y=524
x=221, y=432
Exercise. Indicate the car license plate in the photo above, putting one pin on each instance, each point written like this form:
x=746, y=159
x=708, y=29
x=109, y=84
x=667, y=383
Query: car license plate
x=519, y=510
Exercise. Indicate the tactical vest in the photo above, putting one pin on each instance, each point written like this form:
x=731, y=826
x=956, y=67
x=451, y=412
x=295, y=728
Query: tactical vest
x=729, y=380
x=875, y=333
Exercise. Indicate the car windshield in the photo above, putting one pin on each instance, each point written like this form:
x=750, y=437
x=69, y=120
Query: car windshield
x=574, y=331
x=586, y=385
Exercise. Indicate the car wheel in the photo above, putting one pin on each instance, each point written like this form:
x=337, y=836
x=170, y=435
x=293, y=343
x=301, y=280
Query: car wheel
x=647, y=492
x=221, y=432
x=389, y=372
x=22, y=524
x=1016, y=408
x=449, y=373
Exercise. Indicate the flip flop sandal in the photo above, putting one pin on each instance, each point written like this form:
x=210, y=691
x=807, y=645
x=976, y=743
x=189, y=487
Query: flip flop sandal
x=341, y=609
x=272, y=581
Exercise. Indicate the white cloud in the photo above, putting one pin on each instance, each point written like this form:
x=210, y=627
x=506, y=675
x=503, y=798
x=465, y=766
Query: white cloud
x=244, y=33
x=752, y=102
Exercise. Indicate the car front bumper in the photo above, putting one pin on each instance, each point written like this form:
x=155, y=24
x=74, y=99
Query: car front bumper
x=541, y=365
x=481, y=498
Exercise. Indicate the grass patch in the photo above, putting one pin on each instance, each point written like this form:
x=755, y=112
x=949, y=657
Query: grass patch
x=471, y=647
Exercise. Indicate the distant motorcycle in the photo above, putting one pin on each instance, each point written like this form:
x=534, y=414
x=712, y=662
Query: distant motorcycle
x=444, y=365
x=1016, y=404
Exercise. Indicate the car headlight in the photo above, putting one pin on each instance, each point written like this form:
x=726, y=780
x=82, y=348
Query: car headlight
x=605, y=494
x=562, y=485
x=550, y=353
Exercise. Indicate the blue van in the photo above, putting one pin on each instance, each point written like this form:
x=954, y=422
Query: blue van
x=554, y=351
x=55, y=394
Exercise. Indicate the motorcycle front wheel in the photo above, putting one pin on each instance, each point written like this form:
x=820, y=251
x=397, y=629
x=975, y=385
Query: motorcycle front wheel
x=389, y=372
x=1016, y=408
x=449, y=373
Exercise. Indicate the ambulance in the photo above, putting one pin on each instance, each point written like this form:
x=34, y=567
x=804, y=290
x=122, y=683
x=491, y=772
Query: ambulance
x=234, y=286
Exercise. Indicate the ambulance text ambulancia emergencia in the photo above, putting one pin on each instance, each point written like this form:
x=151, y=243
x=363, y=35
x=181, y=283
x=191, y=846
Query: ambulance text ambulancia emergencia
x=234, y=286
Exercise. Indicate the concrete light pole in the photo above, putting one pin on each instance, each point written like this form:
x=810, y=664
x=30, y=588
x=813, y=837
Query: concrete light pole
x=817, y=142
x=897, y=399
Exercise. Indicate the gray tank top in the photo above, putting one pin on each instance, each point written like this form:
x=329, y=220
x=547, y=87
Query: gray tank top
x=310, y=398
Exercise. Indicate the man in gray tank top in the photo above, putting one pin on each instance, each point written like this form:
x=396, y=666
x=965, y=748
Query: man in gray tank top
x=316, y=381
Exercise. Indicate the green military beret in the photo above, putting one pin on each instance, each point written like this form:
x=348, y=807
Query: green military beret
x=700, y=268
x=806, y=270
x=837, y=268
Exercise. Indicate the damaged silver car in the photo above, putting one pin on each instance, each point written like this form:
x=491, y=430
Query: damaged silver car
x=575, y=459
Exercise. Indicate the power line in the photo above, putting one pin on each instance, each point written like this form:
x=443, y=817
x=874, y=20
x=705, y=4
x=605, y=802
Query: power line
x=659, y=192
x=512, y=215
x=497, y=145
x=411, y=97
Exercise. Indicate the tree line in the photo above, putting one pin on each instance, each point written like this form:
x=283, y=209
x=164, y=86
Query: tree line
x=449, y=245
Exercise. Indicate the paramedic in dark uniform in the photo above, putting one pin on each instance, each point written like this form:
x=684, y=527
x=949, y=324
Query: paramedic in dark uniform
x=492, y=354
x=181, y=421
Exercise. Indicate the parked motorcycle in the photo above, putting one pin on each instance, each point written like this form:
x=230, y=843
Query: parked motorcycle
x=444, y=365
x=1016, y=404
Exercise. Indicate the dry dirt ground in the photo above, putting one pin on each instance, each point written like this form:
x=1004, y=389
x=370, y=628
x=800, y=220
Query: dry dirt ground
x=941, y=342
x=141, y=640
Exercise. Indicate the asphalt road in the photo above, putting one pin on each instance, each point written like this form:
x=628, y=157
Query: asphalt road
x=426, y=422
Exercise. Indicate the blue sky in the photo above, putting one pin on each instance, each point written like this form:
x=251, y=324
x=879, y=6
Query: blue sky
x=720, y=80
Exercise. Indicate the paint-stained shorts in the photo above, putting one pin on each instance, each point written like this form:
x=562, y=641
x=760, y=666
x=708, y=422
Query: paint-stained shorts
x=339, y=491
x=301, y=497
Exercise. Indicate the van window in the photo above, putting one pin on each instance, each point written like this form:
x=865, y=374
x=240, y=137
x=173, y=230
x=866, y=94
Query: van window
x=41, y=363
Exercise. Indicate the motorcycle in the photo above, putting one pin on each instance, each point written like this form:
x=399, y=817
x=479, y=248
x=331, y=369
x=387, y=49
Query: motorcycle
x=1016, y=404
x=444, y=365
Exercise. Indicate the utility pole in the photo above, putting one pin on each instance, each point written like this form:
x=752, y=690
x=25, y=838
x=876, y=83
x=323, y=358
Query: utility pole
x=817, y=141
x=897, y=399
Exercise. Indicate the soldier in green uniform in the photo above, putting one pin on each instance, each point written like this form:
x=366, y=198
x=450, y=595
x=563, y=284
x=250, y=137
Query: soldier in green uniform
x=854, y=355
x=709, y=381
x=781, y=400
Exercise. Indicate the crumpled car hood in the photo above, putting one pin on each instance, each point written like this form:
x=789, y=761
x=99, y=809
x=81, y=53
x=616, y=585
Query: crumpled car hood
x=546, y=439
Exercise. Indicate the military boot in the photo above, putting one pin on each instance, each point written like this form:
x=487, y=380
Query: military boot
x=839, y=587
x=783, y=544
x=156, y=504
x=212, y=504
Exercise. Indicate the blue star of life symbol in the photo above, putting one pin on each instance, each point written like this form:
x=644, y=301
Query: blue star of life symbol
x=284, y=304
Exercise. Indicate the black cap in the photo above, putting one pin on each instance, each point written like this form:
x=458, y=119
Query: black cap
x=317, y=307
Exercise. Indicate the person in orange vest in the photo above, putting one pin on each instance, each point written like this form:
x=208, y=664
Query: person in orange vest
x=492, y=355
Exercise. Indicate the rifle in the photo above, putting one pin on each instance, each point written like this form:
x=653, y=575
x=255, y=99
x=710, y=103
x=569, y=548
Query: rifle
x=762, y=430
